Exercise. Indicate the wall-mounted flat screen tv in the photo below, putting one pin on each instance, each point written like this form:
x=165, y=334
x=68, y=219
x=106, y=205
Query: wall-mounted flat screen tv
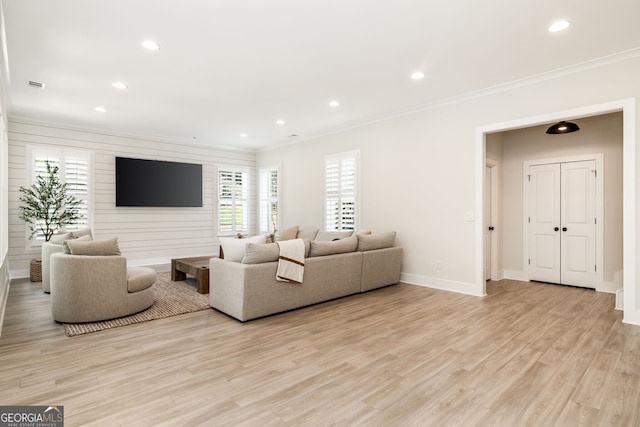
x=141, y=182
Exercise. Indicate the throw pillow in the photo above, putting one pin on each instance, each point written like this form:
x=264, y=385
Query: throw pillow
x=376, y=241
x=322, y=248
x=58, y=239
x=307, y=234
x=84, y=232
x=289, y=233
x=234, y=248
x=256, y=253
x=327, y=236
x=362, y=232
x=95, y=247
x=65, y=244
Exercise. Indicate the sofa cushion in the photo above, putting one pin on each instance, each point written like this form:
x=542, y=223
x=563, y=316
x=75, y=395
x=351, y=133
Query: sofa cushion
x=234, y=248
x=95, y=247
x=307, y=234
x=321, y=248
x=59, y=238
x=369, y=242
x=140, y=278
x=65, y=245
x=327, y=236
x=288, y=233
x=257, y=253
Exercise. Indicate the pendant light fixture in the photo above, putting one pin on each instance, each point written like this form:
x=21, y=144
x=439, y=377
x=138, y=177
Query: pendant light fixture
x=563, y=127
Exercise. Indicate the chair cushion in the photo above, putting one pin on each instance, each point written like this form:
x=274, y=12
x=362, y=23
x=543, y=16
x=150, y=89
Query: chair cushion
x=140, y=278
x=95, y=247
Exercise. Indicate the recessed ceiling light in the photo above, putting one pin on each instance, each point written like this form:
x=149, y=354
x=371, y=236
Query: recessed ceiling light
x=558, y=26
x=417, y=75
x=101, y=109
x=280, y=122
x=334, y=104
x=119, y=85
x=150, y=44
x=243, y=135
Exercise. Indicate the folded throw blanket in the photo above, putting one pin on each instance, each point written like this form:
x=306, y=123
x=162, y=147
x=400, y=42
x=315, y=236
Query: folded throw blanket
x=291, y=261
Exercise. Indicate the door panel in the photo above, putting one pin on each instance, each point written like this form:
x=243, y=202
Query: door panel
x=544, y=207
x=578, y=207
x=487, y=224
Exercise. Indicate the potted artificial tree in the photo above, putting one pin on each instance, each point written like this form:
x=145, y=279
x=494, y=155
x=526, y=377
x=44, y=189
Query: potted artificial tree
x=46, y=208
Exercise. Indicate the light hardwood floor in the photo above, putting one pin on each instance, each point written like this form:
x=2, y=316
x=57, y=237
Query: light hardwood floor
x=527, y=354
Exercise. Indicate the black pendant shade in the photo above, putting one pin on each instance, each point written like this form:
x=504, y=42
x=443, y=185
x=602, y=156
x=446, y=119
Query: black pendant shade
x=563, y=127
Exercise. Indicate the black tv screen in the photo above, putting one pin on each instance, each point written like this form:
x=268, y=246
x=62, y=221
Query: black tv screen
x=142, y=182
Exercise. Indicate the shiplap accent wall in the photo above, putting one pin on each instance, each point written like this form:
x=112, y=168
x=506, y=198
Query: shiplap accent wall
x=4, y=230
x=147, y=235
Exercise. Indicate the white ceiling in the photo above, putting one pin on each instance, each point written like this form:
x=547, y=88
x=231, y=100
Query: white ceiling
x=228, y=67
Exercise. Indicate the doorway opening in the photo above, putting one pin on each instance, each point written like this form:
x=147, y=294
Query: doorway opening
x=627, y=107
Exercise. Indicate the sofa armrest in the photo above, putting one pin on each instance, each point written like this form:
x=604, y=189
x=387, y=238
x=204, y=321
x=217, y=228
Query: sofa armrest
x=381, y=267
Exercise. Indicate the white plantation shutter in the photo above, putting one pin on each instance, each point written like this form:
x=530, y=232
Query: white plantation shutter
x=341, y=185
x=233, y=200
x=74, y=169
x=269, y=198
x=76, y=175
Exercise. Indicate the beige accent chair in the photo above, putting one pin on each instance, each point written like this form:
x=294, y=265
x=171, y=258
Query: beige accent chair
x=56, y=245
x=48, y=248
x=86, y=288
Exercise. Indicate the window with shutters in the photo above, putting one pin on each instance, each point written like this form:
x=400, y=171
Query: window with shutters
x=233, y=200
x=341, y=191
x=74, y=169
x=269, y=184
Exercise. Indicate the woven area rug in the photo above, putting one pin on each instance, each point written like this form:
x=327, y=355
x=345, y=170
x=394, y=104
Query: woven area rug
x=171, y=299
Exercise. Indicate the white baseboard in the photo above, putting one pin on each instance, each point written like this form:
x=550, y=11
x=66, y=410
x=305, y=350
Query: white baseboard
x=516, y=275
x=18, y=274
x=4, y=289
x=620, y=300
x=442, y=284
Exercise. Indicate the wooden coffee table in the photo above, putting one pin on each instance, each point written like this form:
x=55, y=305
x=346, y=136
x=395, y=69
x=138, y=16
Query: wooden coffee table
x=197, y=266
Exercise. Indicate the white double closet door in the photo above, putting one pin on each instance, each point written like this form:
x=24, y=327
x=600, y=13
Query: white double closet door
x=562, y=223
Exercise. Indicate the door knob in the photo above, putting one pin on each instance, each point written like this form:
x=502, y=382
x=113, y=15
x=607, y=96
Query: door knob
x=491, y=228
x=556, y=229
x=564, y=228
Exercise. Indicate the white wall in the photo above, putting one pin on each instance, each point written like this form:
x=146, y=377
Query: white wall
x=599, y=134
x=4, y=161
x=146, y=235
x=418, y=170
x=4, y=229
